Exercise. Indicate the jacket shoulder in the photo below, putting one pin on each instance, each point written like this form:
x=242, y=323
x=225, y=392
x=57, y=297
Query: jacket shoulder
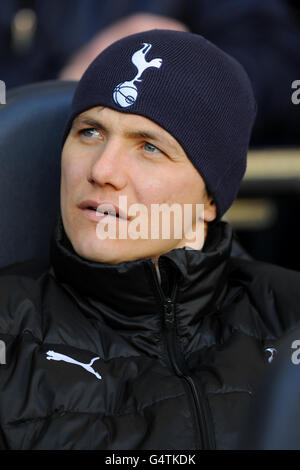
x=273, y=290
x=21, y=288
x=252, y=270
x=32, y=268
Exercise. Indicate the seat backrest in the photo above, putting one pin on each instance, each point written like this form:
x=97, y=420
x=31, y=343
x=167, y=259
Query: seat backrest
x=31, y=128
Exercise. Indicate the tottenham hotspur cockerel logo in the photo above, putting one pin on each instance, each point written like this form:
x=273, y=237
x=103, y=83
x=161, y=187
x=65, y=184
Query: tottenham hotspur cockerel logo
x=125, y=94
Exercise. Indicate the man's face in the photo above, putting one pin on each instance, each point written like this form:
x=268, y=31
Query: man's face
x=109, y=154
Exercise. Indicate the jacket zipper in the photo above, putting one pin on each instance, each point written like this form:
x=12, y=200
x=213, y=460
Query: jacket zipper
x=200, y=412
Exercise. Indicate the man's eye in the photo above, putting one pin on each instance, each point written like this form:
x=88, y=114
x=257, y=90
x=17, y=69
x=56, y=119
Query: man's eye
x=150, y=148
x=90, y=132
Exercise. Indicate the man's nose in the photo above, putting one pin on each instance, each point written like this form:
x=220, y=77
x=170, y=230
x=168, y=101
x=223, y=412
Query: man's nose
x=109, y=166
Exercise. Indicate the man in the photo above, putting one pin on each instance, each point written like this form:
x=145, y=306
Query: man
x=151, y=342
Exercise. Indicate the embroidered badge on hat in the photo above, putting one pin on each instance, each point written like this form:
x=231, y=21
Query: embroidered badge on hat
x=125, y=94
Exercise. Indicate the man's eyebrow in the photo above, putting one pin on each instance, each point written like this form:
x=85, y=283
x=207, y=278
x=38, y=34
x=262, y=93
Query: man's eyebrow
x=149, y=135
x=89, y=122
x=140, y=133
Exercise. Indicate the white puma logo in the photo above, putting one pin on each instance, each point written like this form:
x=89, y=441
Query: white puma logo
x=61, y=357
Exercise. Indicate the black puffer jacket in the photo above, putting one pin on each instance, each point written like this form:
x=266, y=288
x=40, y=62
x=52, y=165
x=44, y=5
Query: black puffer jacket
x=101, y=357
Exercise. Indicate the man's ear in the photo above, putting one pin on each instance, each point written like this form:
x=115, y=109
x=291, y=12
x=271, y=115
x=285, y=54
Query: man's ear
x=210, y=210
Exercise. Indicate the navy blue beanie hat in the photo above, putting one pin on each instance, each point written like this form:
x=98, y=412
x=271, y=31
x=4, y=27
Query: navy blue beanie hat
x=184, y=83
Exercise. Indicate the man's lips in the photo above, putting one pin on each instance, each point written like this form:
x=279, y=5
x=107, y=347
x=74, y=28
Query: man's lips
x=102, y=208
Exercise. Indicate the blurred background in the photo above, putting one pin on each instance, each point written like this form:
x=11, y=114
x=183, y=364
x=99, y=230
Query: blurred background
x=43, y=40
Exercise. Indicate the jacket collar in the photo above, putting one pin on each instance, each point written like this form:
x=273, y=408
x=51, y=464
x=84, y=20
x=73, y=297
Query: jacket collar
x=131, y=288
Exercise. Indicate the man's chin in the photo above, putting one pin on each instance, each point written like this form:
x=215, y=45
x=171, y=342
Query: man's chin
x=105, y=251
x=114, y=251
